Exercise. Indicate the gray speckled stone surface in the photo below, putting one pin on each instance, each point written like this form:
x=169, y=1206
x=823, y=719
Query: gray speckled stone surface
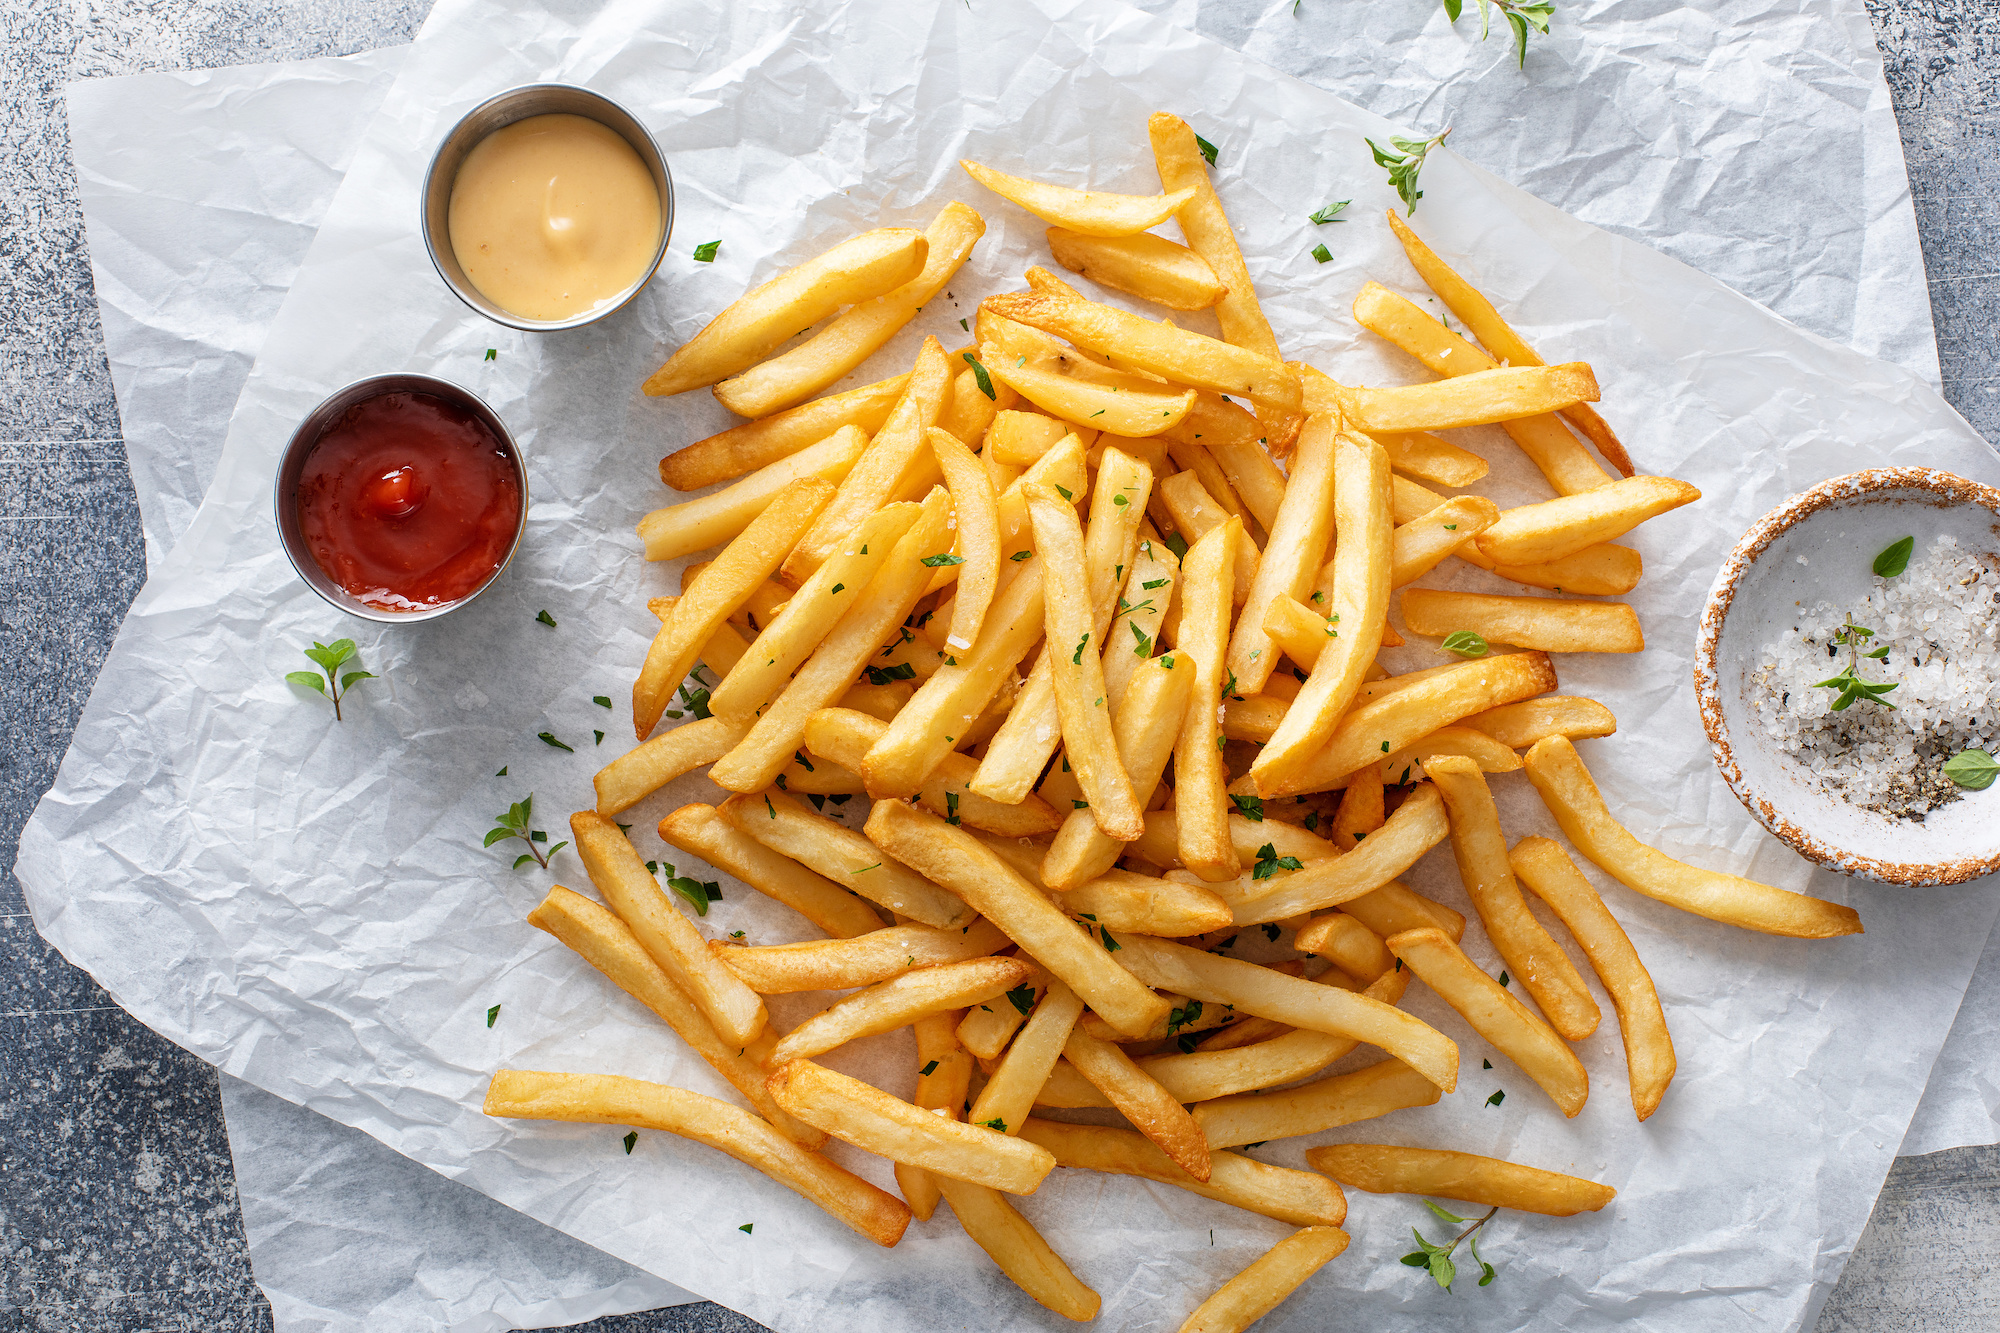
x=117, y=1198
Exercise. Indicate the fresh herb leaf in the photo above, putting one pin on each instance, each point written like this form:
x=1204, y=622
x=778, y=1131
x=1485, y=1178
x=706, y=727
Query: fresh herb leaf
x=517, y=823
x=1180, y=1018
x=1405, y=164
x=1322, y=254
x=995, y=1123
x=928, y=1070
x=1466, y=644
x=601, y=700
x=328, y=657
x=1076, y=658
x=1503, y=978
x=1110, y=945
x=935, y=561
x=951, y=807
x=1895, y=557
x=631, y=1141
x=1270, y=863
x=693, y=891
x=1177, y=544
x=492, y=1015
x=1972, y=769
x=1078, y=805
x=1330, y=213
x=1250, y=807
x=883, y=675
x=1020, y=555
x=706, y=251
x=550, y=740
x=502, y=773
x=1449, y=1217
x=1207, y=149
x=745, y=1228
x=492, y=354
x=980, y=377
x=1151, y=584
x=1496, y=1098
x=544, y=618
x=1065, y=492
x=1022, y=998
x=1144, y=647
x=598, y=734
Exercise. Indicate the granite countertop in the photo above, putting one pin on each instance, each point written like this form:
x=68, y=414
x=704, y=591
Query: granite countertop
x=118, y=1206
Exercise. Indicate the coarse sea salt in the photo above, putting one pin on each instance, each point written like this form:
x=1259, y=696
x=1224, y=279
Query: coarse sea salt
x=1940, y=621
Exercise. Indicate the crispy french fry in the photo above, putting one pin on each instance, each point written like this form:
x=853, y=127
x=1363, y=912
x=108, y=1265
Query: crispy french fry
x=1131, y=406
x=1088, y=212
x=1196, y=513
x=970, y=414
x=1496, y=1015
x=858, y=269
x=1521, y=725
x=1178, y=156
x=1251, y=989
x=1649, y=1049
x=1235, y=439
x=1192, y=457
x=1394, y=908
x=898, y=1002
x=896, y=465
x=1362, y=810
x=1121, y=900
x=845, y=736
x=1273, y=1191
x=713, y=519
x=1294, y=550
x=959, y=861
x=1147, y=723
x=882, y=702
x=1480, y=847
x=1329, y=1103
x=1421, y=545
x=843, y=856
x=1417, y=826
x=603, y=1099
x=727, y=584
x=1264, y=1285
x=1201, y=802
x=978, y=545
x=1408, y=763
x=861, y=960
x=1009, y=1094
x=1557, y=529
x=1150, y=1108
x=637, y=774
x=1149, y=590
x=854, y=335
x=803, y=777
x=700, y=831
x=1426, y=457
x=1609, y=570
x=1485, y=396
x=1160, y=843
x=1572, y=797
x=987, y=1028
x=1149, y=267
x=944, y=1074
x=1011, y=1242
x=1020, y=439
x=608, y=944
x=755, y=444
x=841, y=655
x=725, y=647
x=1551, y=624
x=1354, y=949
x=1382, y=1168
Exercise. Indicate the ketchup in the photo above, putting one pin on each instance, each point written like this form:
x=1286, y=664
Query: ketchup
x=409, y=502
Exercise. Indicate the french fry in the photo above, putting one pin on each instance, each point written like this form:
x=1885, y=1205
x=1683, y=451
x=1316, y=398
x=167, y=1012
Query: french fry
x=597, y=936
x=1061, y=466
x=944, y=1075
x=978, y=544
x=1088, y=212
x=1131, y=406
x=1343, y=1099
x=1426, y=457
x=1264, y=1285
x=603, y=1099
x=725, y=647
x=1360, y=610
x=1419, y=546
x=1408, y=763
x=970, y=414
x=1293, y=552
x=803, y=777
x=854, y=335
x=860, y=960
x=1150, y=1108
x=1362, y=810
x=1394, y=908
x=727, y=584
x=873, y=1121
x=710, y=520
x=841, y=655
x=1160, y=843
x=1483, y=397
x=1121, y=900
x=1009, y=1094
x=956, y=859
x=1178, y=156
x=1147, y=723
x=1192, y=457
x=1550, y=624
x=1251, y=989
x=809, y=615
x=1521, y=725
x=1352, y=947
x=1020, y=439
x=1556, y=529
x=896, y=465
x=1201, y=802
x=1196, y=513
x=700, y=831
x=1382, y=1168
x=637, y=774
x=843, y=856
x=1258, y=1187
x=1609, y=570
x=1418, y=825
x=1649, y=1048
x=1566, y=788
x=1387, y=723
x=1496, y=1015
x=1012, y=1243
x=1149, y=267
x=755, y=444
x=845, y=736
x=1149, y=590
x=1235, y=439
x=856, y=270
x=898, y=1002
x=987, y=1028
x=1480, y=848
x=882, y=702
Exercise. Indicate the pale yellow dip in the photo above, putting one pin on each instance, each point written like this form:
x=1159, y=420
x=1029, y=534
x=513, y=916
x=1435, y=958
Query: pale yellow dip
x=553, y=216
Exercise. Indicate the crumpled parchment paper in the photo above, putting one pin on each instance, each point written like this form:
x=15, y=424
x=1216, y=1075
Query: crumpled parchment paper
x=362, y=1000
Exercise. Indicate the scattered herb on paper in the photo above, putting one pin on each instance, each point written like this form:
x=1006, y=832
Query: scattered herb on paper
x=1405, y=164
x=328, y=657
x=706, y=251
x=517, y=823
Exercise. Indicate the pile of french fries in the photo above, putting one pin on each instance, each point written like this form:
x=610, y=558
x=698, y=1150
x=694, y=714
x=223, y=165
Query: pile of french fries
x=1106, y=672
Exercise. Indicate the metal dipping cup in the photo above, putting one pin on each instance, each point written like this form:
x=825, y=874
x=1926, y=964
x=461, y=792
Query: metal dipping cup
x=291, y=466
x=534, y=99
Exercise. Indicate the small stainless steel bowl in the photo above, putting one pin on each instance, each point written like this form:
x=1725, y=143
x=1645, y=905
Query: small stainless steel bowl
x=534, y=99
x=285, y=496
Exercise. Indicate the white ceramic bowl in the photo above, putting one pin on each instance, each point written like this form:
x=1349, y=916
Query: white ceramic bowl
x=1838, y=527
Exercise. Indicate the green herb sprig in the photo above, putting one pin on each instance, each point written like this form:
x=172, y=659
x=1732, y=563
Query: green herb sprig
x=329, y=656
x=516, y=824
x=1405, y=164
x=1436, y=1259
x=1850, y=685
x=1520, y=17
x=1330, y=213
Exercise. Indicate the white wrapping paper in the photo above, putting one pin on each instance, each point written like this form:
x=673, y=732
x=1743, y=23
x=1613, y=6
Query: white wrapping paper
x=399, y=996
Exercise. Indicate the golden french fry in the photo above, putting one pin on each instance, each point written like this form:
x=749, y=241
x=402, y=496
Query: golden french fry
x=1428, y=458
x=1089, y=212
x=1131, y=406
x=756, y=444
x=841, y=655
x=1551, y=624
x=608, y=944
x=853, y=336
x=1329, y=1103
x=1201, y=802
x=858, y=269
x=860, y=960
x=978, y=544
x=1649, y=1049
x=1193, y=457
x=1264, y=1285
x=1160, y=843
x=897, y=464
x=1273, y=1191
x=1556, y=529
x=1012, y=1243
x=1147, y=723
x=1362, y=810
x=1353, y=948
x=882, y=702
x=637, y=774
x=1293, y=552
x=873, y=1121
x=843, y=856
x=1178, y=156
x=1421, y=545
x=944, y=1076
x=1149, y=590
x=959, y=861
x=845, y=737
x=1572, y=797
x=1485, y=396
x=1009, y=1094
x=1393, y=908
x=1521, y=725
x=1408, y=763
x=1418, y=825
x=727, y=584
x=1384, y=724
x=700, y=831
x=1496, y=1015
x=1150, y=1108
x=1480, y=848
x=603, y=1099
x=1196, y=513
x=1382, y=1168
x=1149, y=267
x=1609, y=570
x=987, y=1028
x=725, y=647
x=1020, y=439
x=803, y=777
x=970, y=414
x=713, y=519
x=1121, y=900
x=898, y=1002
x=1235, y=439
x=1251, y=989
